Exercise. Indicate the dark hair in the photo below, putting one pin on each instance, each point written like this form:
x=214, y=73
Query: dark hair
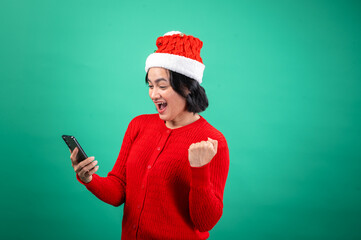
x=196, y=99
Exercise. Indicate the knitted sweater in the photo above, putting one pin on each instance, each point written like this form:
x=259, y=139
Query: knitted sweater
x=165, y=198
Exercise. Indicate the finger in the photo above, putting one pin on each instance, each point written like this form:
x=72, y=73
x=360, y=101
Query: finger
x=209, y=144
x=85, y=162
x=214, y=142
x=194, y=145
x=211, y=141
x=74, y=153
x=73, y=160
x=90, y=166
x=86, y=170
x=79, y=166
x=191, y=146
x=92, y=171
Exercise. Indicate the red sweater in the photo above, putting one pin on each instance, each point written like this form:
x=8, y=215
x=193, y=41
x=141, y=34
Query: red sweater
x=165, y=198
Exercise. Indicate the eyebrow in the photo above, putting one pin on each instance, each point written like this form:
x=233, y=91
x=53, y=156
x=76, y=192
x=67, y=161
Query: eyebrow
x=158, y=80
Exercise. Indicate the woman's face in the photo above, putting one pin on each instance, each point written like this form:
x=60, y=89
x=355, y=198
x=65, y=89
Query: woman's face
x=170, y=105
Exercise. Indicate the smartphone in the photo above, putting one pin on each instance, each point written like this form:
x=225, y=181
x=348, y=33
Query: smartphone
x=72, y=144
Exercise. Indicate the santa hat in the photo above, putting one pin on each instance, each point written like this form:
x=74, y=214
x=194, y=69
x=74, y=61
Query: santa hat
x=180, y=53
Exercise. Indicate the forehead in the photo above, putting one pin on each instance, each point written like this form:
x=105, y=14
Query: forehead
x=156, y=73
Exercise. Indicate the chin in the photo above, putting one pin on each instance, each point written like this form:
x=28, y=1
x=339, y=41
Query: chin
x=163, y=117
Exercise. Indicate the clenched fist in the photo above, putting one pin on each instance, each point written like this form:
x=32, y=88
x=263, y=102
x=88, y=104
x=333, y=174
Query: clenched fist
x=201, y=153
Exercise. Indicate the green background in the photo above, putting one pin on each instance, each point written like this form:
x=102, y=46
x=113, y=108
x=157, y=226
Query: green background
x=282, y=77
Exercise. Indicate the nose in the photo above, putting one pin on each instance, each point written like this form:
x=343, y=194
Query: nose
x=154, y=94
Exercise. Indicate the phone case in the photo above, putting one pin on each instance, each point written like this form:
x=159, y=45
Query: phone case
x=72, y=144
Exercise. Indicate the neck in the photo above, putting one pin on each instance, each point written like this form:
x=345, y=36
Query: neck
x=180, y=121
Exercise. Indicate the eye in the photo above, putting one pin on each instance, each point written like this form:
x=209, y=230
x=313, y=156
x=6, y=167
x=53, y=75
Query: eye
x=162, y=87
x=150, y=86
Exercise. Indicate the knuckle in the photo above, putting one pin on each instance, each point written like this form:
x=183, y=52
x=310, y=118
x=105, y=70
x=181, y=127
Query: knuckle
x=87, y=168
x=85, y=162
x=94, y=170
x=76, y=170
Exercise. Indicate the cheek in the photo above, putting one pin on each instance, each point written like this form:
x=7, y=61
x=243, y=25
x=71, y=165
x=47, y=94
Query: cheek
x=175, y=101
x=179, y=103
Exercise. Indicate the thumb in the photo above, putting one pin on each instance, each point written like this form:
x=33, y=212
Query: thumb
x=214, y=142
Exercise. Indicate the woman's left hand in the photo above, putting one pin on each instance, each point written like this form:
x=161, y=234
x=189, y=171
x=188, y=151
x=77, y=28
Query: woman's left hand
x=201, y=153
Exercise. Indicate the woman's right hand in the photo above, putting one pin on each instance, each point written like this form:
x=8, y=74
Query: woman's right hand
x=86, y=168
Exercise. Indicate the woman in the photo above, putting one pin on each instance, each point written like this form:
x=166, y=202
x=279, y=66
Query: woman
x=172, y=167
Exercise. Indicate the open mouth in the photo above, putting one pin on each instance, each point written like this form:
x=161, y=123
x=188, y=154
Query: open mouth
x=161, y=106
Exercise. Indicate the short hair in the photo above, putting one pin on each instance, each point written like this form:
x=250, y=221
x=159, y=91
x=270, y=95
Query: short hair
x=196, y=99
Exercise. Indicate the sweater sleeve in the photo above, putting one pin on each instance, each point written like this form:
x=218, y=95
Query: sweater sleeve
x=206, y=190
x=111, y=189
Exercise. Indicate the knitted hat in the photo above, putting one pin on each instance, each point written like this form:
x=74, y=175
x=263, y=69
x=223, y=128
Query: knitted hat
x=180, y=53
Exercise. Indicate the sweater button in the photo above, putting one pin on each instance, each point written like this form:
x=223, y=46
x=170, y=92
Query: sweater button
x=142, y=186
x=149, y=166
x=158, y=148
x=134, y=227
x=138, y=206
x=168, y=131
